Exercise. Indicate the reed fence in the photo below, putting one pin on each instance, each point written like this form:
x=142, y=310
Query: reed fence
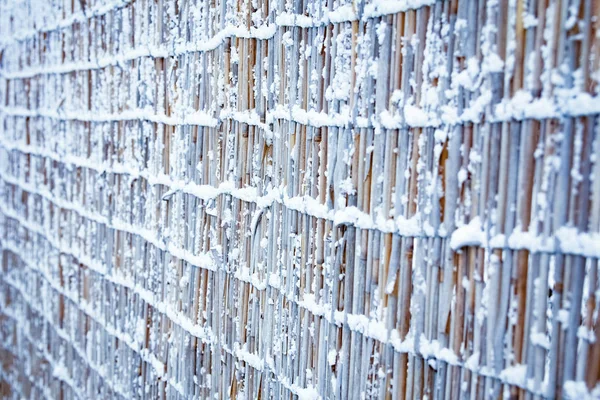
x=392, y=199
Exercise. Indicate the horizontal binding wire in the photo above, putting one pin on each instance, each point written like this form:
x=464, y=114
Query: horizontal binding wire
x=340, y=15
x=567, y=240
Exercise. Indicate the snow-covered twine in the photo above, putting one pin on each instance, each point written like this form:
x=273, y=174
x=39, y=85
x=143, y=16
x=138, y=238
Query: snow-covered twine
x=310, y=199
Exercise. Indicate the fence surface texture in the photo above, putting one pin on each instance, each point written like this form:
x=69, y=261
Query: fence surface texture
x=391, y=199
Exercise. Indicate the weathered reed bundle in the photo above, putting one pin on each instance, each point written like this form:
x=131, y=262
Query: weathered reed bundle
x=266, y=199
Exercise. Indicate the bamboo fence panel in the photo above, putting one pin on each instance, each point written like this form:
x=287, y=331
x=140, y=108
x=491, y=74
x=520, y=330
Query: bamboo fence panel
x=391, y=199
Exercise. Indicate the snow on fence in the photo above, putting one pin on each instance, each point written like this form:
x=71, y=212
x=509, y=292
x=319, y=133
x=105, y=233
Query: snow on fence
x=319, y=199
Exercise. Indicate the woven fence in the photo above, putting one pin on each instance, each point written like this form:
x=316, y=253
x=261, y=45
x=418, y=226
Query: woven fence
x=392, y=199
